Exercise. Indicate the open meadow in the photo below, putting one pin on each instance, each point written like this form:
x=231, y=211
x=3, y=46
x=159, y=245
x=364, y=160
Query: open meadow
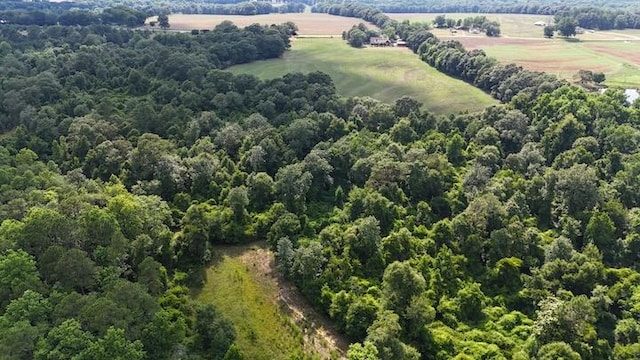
x=382, y=73
x=615, y=53
x=308, y=23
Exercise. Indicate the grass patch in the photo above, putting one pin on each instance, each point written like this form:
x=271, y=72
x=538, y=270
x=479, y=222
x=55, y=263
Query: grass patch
x=250, y=302
x=382, y=73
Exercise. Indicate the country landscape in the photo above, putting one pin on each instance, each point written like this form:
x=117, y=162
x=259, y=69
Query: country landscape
x=613, y=52
x=376, y=180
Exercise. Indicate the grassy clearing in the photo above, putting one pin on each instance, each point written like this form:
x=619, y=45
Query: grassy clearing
x=263, y=332
x=382, y=73
x=308, y=23
x=271, y=319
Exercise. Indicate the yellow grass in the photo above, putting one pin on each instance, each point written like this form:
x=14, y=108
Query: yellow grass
x=308, y=23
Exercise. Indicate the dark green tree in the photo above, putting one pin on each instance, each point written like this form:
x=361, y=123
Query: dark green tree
x=567, y=26
x=214, y=334
x=549, y=31
x=163, y=21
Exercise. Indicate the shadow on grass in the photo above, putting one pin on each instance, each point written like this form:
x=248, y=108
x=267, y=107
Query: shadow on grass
x=198, y=277
x=571, y=39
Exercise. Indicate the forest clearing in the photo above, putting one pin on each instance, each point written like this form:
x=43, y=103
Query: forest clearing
x=271, y=319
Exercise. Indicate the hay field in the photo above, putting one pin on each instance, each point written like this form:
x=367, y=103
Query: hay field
x=382, y=73
x=614, y=52
x=308, y=23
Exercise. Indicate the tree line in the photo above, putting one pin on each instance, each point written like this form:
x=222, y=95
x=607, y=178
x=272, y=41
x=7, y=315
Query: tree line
x=33, y=15
x=479, y=23
x=133, y=15
x=248, y=8
x=600, y=19
x=591, y=17
x=547, y=7
x=504, y=82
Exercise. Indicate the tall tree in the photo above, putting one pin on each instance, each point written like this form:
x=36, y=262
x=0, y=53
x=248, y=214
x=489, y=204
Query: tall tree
x=567, y=26
x=163, y=21
x=18, y=273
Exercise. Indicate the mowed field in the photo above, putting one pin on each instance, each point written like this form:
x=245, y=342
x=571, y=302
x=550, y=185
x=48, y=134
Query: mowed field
x=615, y=52
x=382, y=73
x=308, y=23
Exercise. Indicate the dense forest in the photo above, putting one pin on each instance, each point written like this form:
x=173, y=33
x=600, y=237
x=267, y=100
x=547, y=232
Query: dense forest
x=94, y=259
x=131, y=14
x=127, y=156
x=33, y=14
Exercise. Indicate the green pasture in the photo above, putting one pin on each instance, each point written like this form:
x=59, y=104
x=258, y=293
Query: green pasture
x=565, y=58
x=263, y=330
x=625, y=60
x=382, y=73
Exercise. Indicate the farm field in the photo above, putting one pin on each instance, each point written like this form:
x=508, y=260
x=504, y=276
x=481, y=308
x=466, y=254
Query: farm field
x=308, y=23
x=382, y=73
x=517, y=25
x=618, y=60
x=615, y=53
x=271, y=319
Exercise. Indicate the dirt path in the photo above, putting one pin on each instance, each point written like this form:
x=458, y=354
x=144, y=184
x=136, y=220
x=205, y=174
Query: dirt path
x=320, y=336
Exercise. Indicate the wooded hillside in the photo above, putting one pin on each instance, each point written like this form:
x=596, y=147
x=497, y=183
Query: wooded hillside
x=127, y=156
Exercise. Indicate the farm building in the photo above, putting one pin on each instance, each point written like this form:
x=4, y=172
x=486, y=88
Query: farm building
x=380, y=41
x=540, y=23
